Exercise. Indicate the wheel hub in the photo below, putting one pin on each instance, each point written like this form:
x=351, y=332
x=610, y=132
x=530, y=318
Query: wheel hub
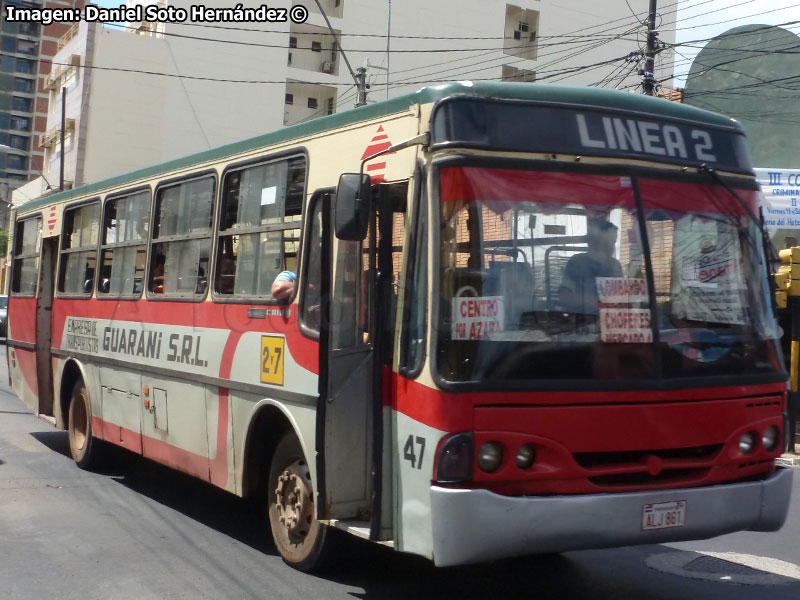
x=294, y=503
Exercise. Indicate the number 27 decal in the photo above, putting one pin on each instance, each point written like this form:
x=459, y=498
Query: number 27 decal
x=410, y=455
x=272, y=351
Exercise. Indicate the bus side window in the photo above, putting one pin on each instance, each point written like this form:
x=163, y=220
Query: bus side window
x=412, y=349
x=79, y=250
x=179, y=256
x=27, y=244
x=123, y=245
x=310, y=301
x=259, y=230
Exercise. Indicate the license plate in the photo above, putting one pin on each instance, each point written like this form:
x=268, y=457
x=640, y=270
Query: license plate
x=663, y=515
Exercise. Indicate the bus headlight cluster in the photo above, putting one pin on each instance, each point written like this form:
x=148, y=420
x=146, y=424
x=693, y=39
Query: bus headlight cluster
x=770, y=438
x=747, y=442
x=525, y=456
x=490, y=457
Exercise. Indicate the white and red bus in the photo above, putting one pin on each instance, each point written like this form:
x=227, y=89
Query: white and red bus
x=537, y=321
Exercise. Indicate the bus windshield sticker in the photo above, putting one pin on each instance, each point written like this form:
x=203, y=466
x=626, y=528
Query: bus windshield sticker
x=475, y=317
x=618, y=290
x=707, y=284
x=625, y=325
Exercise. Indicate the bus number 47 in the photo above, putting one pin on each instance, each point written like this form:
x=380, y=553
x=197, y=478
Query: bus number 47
x=408, y=451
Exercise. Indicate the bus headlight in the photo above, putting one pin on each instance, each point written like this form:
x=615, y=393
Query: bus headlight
x=770, y=438
x=747, y=442
x=455, y=459
x=490, y=456
x=525, y=456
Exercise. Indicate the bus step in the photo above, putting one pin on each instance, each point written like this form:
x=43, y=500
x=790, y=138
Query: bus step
x=357, y=528
x=49, y=418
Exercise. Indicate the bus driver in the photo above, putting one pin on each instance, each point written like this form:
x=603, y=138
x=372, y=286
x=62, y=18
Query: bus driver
x=578, y=291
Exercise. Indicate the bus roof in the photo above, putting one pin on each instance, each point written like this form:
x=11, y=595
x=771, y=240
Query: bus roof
x=574, y=95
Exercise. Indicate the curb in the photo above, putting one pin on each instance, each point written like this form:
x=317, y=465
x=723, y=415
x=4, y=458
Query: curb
x=788, y=460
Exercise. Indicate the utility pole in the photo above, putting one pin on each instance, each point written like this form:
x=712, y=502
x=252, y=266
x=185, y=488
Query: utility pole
x=360, y=75
x=63, y=136
x=361, y=86
x=649, y=78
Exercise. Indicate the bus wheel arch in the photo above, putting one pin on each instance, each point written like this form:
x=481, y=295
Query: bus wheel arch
x=277, y=478
x=71, y=373
x=266, y=429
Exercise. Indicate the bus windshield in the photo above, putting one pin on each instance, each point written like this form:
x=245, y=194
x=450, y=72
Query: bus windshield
x=544, y=277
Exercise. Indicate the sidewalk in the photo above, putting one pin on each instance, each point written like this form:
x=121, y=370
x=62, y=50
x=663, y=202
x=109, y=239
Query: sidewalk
x=790, y=460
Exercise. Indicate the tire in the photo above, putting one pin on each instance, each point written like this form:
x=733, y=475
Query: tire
x=299, y=537
x=84, y=448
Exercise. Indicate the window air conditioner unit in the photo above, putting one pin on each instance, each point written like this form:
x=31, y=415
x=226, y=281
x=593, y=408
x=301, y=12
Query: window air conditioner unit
x=327, y=67
x=45, y=141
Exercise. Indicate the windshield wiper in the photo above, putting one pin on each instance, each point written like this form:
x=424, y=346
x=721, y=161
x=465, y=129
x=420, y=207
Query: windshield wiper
x=773, y=256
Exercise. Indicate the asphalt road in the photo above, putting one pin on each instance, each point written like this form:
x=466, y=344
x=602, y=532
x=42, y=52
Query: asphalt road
x=141, y=531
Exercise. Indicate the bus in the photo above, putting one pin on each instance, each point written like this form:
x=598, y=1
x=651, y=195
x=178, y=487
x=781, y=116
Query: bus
x=513, y=319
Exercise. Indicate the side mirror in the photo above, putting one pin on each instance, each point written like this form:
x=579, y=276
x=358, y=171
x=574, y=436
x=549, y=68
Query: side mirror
x=351, y=214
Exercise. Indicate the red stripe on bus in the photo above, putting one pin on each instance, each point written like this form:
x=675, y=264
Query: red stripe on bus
x=182, y=460
x=376, y=166
x=218, y=466
x=455, y=412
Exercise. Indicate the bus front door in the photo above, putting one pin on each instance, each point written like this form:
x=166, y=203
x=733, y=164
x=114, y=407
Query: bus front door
x=347, y=361
x=44, y=322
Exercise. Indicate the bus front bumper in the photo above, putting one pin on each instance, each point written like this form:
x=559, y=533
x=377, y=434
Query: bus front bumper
x=472, y=525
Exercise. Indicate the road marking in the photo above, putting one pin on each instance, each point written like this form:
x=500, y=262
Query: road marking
x=726, y=567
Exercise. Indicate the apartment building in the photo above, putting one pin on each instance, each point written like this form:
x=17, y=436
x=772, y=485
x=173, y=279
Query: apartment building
x=25, y=52
x=154, y=91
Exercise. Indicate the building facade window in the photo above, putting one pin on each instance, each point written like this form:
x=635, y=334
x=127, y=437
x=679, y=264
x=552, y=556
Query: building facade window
x=29, y=28
x=24, y=66
x=20, y=123
x=289, y=99
x=21, y=104
x=15, y=161
x=26, y=47
x=23, y=85
x=312, y=103
x=316, y=46
x=19, y=142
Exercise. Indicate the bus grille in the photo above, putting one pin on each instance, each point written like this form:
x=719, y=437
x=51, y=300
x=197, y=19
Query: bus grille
x=592, y=460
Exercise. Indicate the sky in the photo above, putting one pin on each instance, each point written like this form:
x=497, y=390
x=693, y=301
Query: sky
x=693, y=24
x=697, y=20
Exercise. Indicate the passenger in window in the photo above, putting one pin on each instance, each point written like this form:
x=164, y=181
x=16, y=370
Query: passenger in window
x=283, y=286
x=157, y=276
x=227, y=275
x=578, y=291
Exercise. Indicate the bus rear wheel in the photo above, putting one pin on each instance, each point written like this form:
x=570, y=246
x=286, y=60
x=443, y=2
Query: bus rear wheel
x=299, y=537
x=83, y=447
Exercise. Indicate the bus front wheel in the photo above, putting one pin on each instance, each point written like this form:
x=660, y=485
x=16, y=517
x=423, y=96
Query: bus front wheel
x=298, y=536
x=82, y=446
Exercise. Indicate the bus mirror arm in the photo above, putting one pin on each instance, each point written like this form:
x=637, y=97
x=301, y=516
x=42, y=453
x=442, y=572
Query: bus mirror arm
x=353, y=195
